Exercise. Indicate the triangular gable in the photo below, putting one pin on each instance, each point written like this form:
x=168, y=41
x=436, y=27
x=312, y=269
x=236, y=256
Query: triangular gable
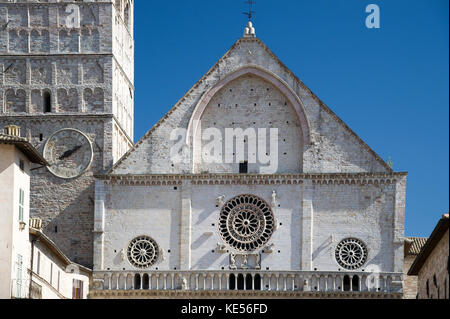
x=146, y=156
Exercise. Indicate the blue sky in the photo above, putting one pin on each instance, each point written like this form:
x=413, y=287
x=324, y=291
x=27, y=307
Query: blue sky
x=390, y=85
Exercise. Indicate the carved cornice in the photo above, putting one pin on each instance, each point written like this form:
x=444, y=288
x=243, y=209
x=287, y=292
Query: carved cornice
x=53, y=117
x=227, y=294
x=257, y=179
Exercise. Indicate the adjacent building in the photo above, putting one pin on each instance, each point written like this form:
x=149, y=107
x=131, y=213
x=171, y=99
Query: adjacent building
x=432, y=265
x=32, y=266
x=16, y=158
x=413, y=246
x=53, y=275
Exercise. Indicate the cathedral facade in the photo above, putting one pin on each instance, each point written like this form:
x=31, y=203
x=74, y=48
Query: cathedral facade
x=249, y=186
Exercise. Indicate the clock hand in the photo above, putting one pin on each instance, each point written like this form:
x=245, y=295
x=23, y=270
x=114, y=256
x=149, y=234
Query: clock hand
x=70, y=152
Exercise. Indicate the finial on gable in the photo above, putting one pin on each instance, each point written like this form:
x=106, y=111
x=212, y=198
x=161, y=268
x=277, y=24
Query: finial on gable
x=249, y=31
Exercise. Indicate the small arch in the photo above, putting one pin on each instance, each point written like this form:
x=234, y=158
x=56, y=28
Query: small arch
x=240, y=282
x=257, y=283
x=355, y=283
x=137, y=282
x=47, y=102
x=129, y=281
x=232, y=282
x=263, y=74
x=249, y=282
x=145, y=282
x=346, y=283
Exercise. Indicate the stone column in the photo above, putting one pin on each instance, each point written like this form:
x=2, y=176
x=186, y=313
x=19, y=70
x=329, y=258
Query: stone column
x=99, y=225
x=307, y=227
x=185, y=226
x=399, y=224
x=53, y=17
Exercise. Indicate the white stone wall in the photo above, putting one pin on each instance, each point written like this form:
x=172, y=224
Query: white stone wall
x=54, y=276
x=251, y=103
x=20, y=242
x=155, y=212
x=305, y=238
x=7, y=200
x=205, y=220
x=363, y=212
x=343, y=189
x=13, y=238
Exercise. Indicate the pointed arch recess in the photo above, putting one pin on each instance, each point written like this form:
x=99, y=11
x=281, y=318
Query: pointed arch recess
x=265, y=75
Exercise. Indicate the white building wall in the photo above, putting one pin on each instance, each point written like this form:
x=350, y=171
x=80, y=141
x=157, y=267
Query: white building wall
x=154, y=211
x=353, y=211
x=47, y=266
x=6, y=229
x=21, y=244
x=305, y=239
x=205, y=223
x=13, y=237
x=251, y=103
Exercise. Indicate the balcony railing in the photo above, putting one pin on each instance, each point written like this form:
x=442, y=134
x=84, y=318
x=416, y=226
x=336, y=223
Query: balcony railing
x=279, y=281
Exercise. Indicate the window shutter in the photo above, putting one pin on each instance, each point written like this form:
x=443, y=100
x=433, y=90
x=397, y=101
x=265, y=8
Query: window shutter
x=21, y=204
x=81, y=290
x=38, y=262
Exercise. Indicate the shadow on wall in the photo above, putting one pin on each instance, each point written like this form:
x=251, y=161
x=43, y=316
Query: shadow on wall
x=72, y=228
x=200, y=241
x=205, y=214
x=210, y=258
x=326, y=244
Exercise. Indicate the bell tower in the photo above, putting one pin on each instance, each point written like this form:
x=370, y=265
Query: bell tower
x=67, y=79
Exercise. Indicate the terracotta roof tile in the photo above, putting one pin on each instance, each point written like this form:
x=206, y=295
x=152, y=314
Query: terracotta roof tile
x=417, y=244
x=25, y=146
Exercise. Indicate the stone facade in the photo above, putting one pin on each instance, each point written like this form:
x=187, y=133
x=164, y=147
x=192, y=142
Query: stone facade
x=413, y=245
x=432, y=264
x=64, y=65
x=328, y=187
x=436, y=267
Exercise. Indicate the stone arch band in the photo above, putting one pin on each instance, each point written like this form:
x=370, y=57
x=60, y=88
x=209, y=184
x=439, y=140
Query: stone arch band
x=263, y=74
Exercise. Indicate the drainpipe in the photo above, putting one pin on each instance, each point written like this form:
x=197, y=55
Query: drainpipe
x=36, y=239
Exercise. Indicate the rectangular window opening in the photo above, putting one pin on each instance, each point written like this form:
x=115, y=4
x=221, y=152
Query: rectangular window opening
x=21, y=205
x=243, y=168
x=77, y=292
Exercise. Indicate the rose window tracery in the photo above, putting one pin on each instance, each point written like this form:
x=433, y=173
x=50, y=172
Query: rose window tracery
x=246, y=222
x=143, y=252
x=351, y=253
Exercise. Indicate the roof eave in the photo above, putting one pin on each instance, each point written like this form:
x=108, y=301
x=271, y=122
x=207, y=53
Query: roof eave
x=439, y=231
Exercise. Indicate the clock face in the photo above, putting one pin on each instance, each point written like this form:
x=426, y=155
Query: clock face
x=69, y=153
